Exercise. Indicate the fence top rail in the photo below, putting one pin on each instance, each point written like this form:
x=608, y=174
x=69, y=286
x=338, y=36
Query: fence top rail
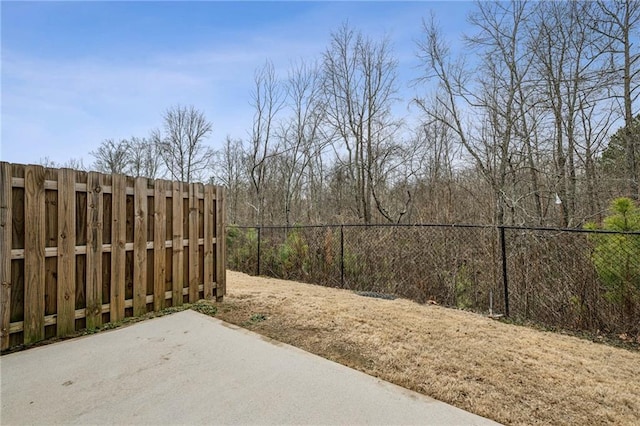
x=52, y=184
x=440, y=225
x=363, y=225
x=569, y=230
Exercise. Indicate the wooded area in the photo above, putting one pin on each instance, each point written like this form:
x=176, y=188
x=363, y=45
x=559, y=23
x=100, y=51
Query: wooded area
x=82, y=249
x=532, y=122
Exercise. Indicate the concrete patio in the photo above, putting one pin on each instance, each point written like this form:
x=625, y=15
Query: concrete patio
x=188, y=368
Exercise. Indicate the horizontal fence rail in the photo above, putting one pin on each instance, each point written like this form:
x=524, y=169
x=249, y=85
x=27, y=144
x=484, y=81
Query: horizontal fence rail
x=81, y=249
x=579, y=279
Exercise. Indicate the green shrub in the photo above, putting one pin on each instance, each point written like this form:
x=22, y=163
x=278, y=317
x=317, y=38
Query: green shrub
x=464, y=297
x=294, y=253
x=242, y=246
x=616, y=257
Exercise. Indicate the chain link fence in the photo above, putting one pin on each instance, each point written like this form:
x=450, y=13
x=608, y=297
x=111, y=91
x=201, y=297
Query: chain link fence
x=568, y=278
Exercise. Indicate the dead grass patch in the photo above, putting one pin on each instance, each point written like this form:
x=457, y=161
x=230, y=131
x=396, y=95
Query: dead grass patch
x=511, y=374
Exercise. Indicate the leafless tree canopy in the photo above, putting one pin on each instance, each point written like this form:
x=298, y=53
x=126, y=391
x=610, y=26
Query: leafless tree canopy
x=181, y=143
x=71, y=163
x=360, y=88
x=533, y=122
x=135, y=157
x=267, y=99
x=144, y=158
x=111, y=156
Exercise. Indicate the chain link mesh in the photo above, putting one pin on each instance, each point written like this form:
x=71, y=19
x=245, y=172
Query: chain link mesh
x=556, y=277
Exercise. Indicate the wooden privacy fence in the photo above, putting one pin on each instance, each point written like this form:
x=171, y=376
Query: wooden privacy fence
x=81, y=249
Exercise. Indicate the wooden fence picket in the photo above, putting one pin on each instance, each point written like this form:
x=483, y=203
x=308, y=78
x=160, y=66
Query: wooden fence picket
x=193, y=244
x=34, y=254
x=118, y=241
x=66, y=275
x=221, y=256
x=140, y=248
x=5, y=253
x=209, y=232
x=159, y=239
x=95, y=214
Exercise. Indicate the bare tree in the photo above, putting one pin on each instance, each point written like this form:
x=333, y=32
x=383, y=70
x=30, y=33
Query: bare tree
x=111, y=157
x=74, y=163
x=452, y=85
x=505, y=96
x=267, y=99
x=46, y=161
x=302, y=138
x=619, y=24
x=144, y=158
x=430, y=168
x=229, y=170
x=573, y=90
x=360, y=88
x=71, y=163
x=181, y=144
x=498, y=139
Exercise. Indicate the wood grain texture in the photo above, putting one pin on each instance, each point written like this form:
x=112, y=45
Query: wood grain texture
x=17, y=242
x=177, y=248
x=159, y=239
x=95, y=212
x=66, y=275
x=209, y=232
x=34, y=270
x=51, y=237
x=221, y=259
x=118, y=240
x=140, y=247
x=193, y=243
x=5, y=253
x=81, y=241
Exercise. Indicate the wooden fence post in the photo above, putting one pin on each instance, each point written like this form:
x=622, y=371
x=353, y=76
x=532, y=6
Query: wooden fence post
x=208, y=241
x=159, y=241
x=95, y=209
x=221, y=262
x=66, y=275
x=193, y=243
x=177, y=246
x=34, y=254
x=6, y=220
x=118, y=240
x=140, y=206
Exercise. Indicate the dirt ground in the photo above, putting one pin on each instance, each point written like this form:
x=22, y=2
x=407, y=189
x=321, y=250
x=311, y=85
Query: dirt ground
x=508, y=373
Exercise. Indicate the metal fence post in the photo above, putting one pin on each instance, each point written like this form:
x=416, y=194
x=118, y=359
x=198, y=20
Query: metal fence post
x=258, y=228
x=341, y=256
x=505, y=280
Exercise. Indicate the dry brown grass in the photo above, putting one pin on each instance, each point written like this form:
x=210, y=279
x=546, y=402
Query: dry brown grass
x=511, y=374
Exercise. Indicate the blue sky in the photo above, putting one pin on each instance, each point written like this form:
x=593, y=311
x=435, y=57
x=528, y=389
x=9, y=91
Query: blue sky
x=76, y=73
